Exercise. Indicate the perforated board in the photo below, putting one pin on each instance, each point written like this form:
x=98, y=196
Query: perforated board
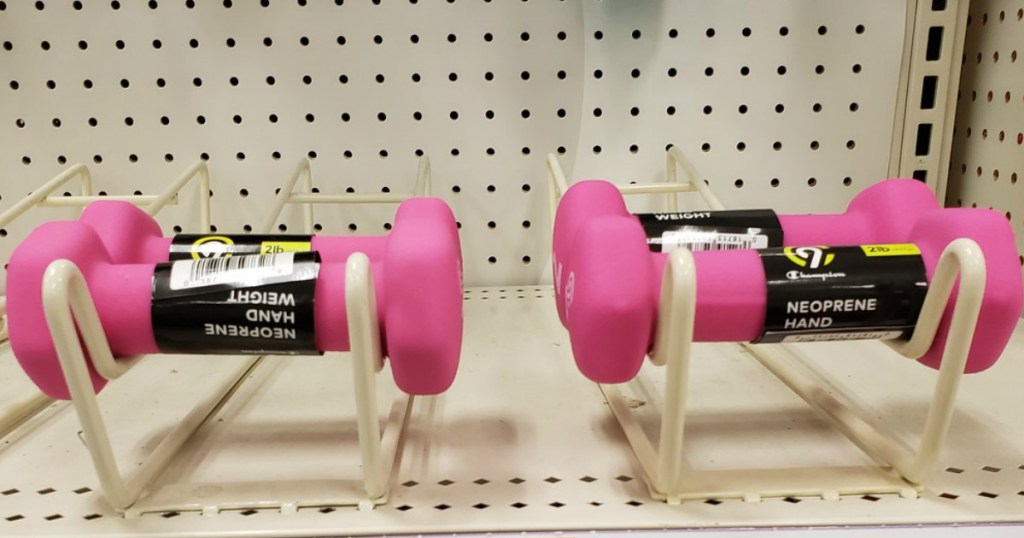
x=485, y=88
x=790, y=106
x=988, y=146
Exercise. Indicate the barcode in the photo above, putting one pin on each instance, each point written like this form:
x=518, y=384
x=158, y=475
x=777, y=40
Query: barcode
x=836, y=337
x=711, y=241
x=229, y=270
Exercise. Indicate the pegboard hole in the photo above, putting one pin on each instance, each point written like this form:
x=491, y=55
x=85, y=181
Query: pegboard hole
x=811, y=182
x=774, y=182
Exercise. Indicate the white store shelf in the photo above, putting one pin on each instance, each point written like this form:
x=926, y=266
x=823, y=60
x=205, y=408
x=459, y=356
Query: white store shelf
x=521, y=442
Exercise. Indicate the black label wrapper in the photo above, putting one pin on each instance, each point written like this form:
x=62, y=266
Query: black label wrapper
x=842, y=293
x=712, y=230
x=236, y=304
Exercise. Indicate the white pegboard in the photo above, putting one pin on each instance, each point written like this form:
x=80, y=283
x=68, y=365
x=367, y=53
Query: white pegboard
x=787, y=105
x=522, y=441
x=485, y=88
x=363, y=87
x=987, y=169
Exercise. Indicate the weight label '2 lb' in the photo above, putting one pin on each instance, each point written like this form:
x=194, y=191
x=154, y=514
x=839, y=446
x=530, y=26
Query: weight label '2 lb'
x=201, y=246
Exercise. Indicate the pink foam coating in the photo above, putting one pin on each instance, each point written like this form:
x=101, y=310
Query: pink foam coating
x=883, y=212
x=125, y=292
x=129, y=234
x=583, y=201
x=423, y=290
x=132, y=236
x=421, y=322
x=609, y=310
x=1003, y=299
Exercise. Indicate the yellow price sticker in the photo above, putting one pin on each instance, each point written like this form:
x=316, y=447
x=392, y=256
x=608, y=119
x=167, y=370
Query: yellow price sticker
x=277, y=247
x=897, y=249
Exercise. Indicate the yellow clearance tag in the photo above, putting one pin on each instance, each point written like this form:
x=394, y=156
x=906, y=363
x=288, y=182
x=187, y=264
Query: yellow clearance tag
x=277, y=247
x=898, y=249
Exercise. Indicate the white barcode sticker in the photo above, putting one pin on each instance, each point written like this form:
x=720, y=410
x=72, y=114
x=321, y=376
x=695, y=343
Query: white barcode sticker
x=701, y=240
x=246, y=270
x=838, y=337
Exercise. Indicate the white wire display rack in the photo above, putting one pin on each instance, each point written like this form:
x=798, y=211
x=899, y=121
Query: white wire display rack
x=19, y=405
x=668, y=475
x=77, y=332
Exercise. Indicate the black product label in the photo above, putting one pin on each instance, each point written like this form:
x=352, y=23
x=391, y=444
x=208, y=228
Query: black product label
x=199, y=246
x=236, y=305
x=712, y=230
x=842, y=293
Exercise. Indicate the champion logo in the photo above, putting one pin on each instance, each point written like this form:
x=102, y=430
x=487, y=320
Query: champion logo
x=212, y=246
x=810, y=257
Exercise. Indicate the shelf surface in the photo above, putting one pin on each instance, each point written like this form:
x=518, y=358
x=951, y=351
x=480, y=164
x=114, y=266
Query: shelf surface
x=521, y=442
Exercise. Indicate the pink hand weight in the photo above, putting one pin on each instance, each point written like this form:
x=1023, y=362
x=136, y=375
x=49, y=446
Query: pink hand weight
x=417, y=280
x=882, y=213
x=612, y=309
x=132, y=236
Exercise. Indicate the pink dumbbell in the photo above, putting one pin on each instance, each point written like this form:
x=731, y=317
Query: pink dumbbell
x=417, y=279
x=882, y=213
x=132, y=236
x=612, y=310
